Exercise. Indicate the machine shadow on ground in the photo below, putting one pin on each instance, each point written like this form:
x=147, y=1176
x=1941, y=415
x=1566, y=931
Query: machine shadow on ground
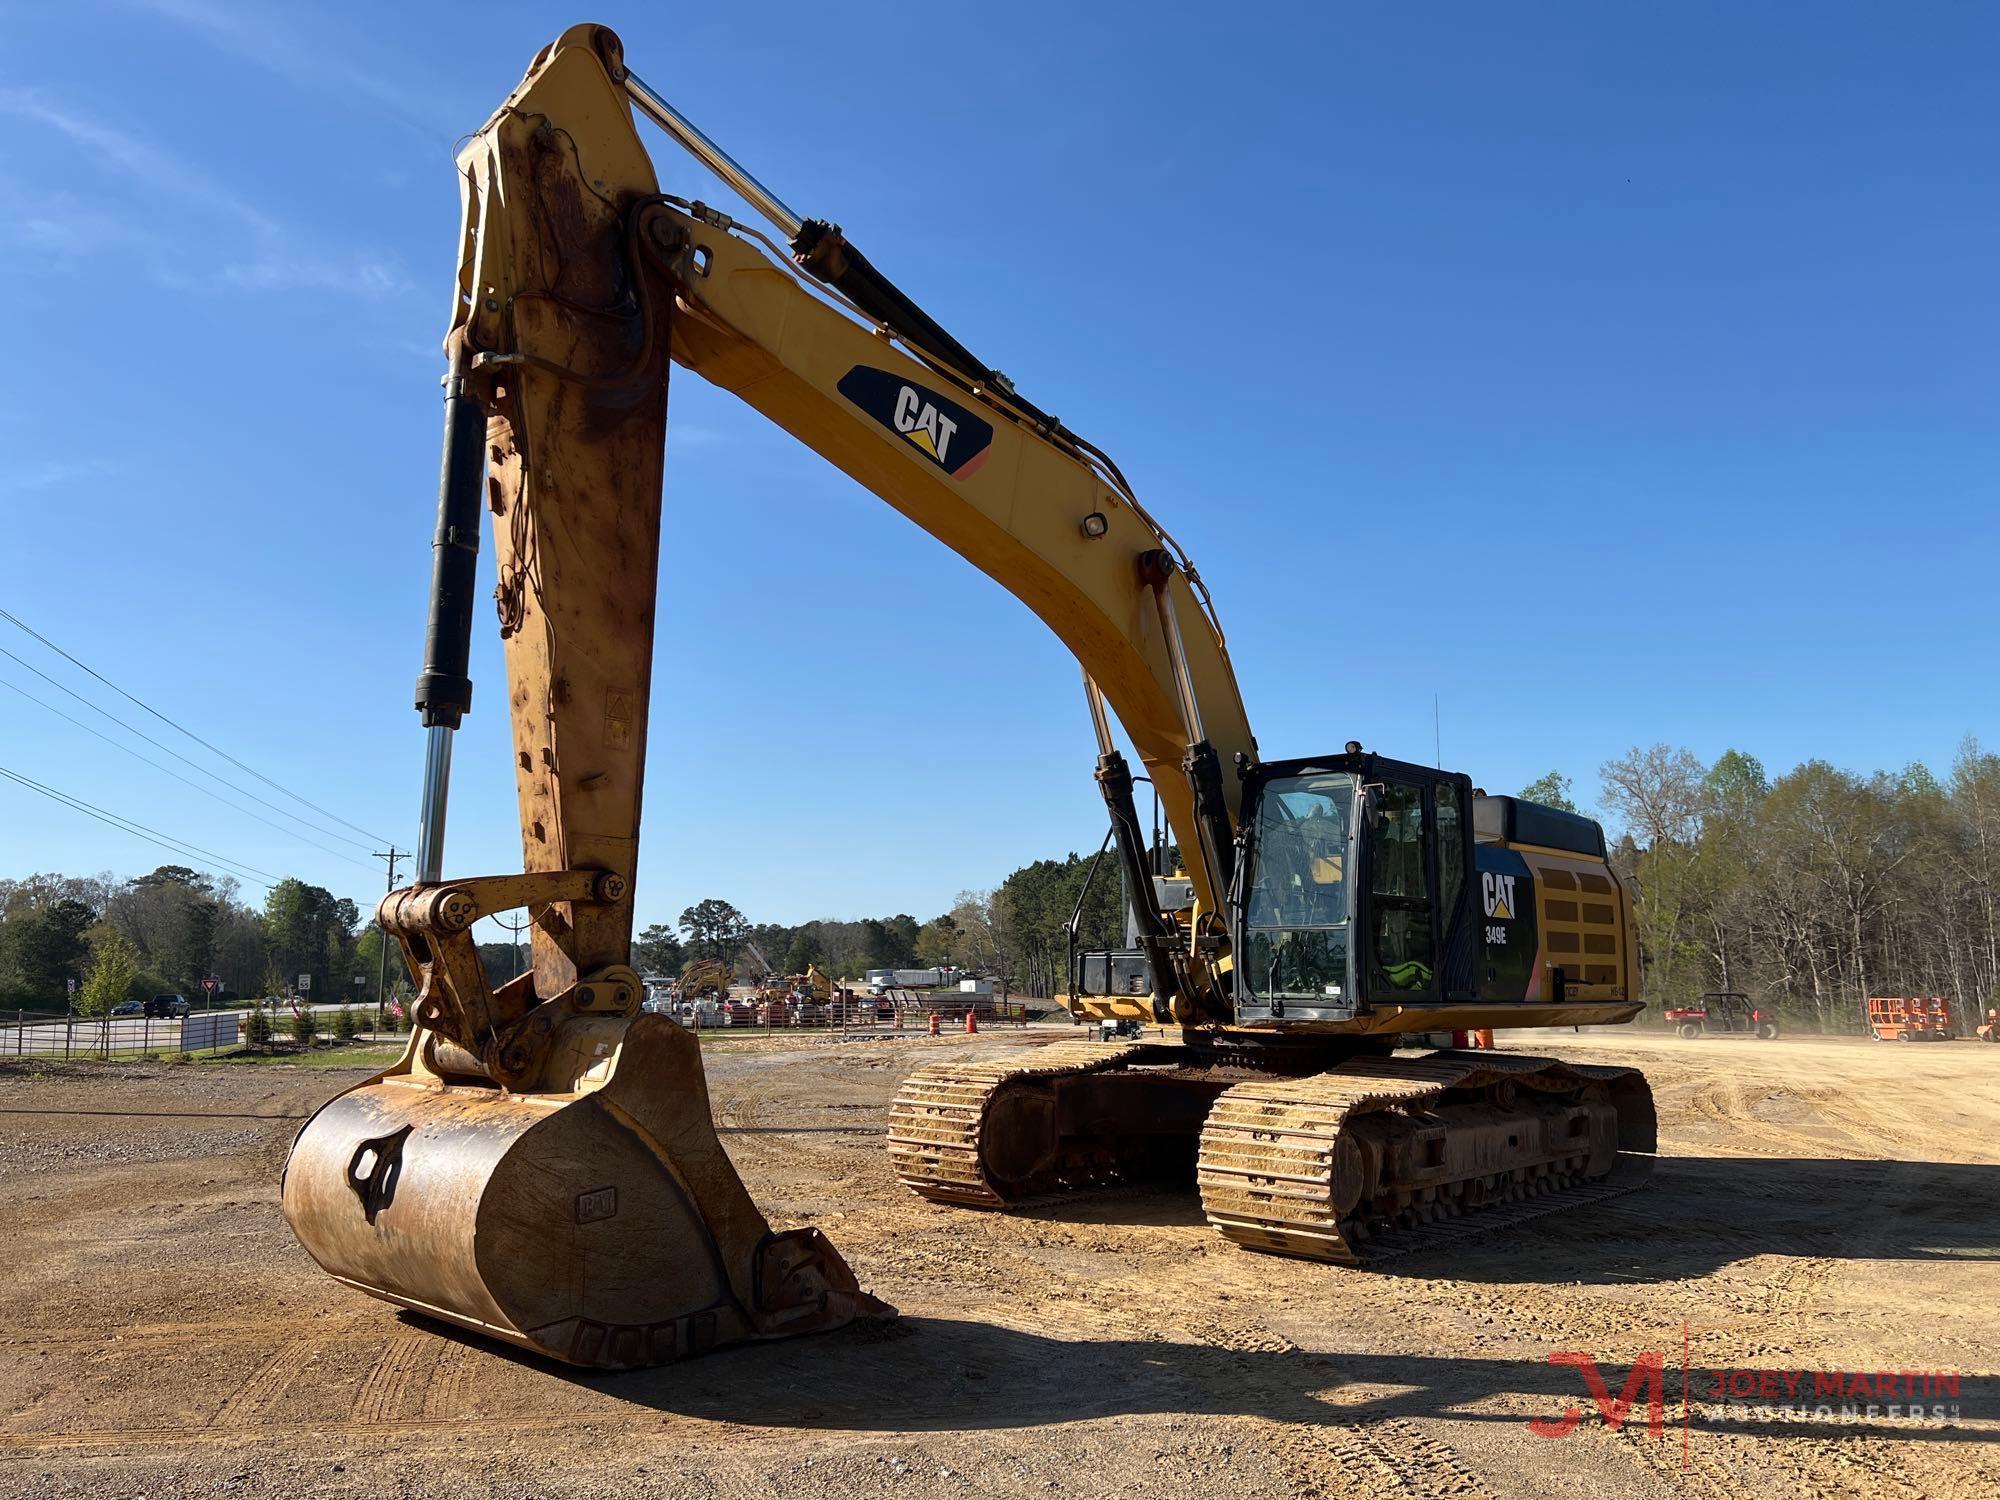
x=1721, y=1208
x=941, y=1374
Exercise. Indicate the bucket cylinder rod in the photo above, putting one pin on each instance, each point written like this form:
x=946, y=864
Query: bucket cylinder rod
x=444, y=691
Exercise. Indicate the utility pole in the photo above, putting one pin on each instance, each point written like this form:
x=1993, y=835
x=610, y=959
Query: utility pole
x=514, y=928
x=382, y=971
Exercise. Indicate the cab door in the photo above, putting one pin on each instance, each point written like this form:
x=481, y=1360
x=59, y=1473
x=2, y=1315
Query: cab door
x=1399, y=948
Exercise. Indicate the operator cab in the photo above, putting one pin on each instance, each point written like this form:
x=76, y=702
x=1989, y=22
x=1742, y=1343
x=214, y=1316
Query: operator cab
x=1351, y=888
x=1362, y=882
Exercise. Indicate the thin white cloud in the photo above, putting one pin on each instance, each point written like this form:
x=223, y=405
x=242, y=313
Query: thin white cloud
x=51, y=473
x=202, y=237
x=695, y=435
x=431, y=351
x=143, y=161
x=253, y=36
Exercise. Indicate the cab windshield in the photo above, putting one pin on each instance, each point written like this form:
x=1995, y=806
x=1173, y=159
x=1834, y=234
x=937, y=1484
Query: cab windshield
x=1298, y=894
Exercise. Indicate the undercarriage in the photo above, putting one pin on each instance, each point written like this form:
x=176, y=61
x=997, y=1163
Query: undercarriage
x=1297, y=1150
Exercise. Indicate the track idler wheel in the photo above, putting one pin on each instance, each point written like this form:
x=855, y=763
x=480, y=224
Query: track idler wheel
x=595, y=1220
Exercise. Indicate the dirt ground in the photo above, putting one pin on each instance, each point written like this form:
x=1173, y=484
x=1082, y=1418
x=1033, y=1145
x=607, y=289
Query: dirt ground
x=1820, y=1206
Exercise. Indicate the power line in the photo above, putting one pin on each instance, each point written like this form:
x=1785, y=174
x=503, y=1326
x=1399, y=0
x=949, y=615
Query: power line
x=382, y=961
x=164, y=771
x=18, y=624
x=139, y=830
x=193, y=764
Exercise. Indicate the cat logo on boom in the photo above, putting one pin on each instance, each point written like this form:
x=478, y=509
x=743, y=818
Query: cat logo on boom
x=923, y=424
x=955, y=439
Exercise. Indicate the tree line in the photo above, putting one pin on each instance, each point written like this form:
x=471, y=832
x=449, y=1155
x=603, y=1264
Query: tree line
x=166, y=932
x=1810, y=892
x=1017, y=933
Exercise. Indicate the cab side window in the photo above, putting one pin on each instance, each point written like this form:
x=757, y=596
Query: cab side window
x=1399, y=842
x=1401, y=938
x=1451, y=848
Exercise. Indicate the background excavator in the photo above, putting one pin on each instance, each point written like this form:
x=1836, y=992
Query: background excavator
x=706, y=976
x=541, y=1166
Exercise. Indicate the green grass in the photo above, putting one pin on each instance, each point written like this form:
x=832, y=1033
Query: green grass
x=159, y=1056
x=363, y=1055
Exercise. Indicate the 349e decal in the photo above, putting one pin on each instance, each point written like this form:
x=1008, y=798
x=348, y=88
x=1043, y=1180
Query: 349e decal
x=950, y=436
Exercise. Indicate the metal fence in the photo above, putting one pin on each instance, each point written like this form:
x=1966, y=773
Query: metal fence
x=897, y=1010
x=106, y=1037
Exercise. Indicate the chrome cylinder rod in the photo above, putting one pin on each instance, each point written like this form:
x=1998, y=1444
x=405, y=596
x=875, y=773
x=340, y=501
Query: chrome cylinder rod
x=437, y=792
x=1170, y=627
x=1099, y=719
x=696, y=142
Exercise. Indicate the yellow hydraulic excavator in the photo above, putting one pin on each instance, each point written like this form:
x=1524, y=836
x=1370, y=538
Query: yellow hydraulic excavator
x=541, y=1164
x=706, y=976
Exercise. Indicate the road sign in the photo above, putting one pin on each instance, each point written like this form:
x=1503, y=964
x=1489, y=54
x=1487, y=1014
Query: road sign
x=69, y=986
x=305, y=983
x=360, y=978
x=211, y=985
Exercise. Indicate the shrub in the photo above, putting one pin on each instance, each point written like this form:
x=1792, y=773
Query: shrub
x=305, y=1026
x=180, y=1058
x=111, y=974
x=257, y=1027
x=346, y=1024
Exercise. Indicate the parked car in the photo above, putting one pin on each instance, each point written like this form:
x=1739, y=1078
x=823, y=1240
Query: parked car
x=167, y=1006
x=129, y=1008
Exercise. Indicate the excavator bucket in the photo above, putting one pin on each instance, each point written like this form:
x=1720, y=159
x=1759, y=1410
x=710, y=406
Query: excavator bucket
x=594, y=1219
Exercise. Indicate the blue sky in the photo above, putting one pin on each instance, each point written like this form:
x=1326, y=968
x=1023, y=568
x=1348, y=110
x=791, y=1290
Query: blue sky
x=1615, y=374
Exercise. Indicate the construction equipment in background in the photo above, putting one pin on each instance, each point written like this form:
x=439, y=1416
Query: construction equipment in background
x=541, y=1164
x=881, y=981
x=1723, y=1013
x=1989, y=1029
x=773, y=1004
x=1911, y=1019
x=792, y=999
x=702, y=977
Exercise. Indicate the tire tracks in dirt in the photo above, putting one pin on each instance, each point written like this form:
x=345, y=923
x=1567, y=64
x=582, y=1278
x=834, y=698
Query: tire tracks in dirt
x=1727, y=1102
x=406, y=1366
x=214, y=1436
x=1373, y=1456
x=1363, y=1456
x=178, y=1335
x=266, y=1386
